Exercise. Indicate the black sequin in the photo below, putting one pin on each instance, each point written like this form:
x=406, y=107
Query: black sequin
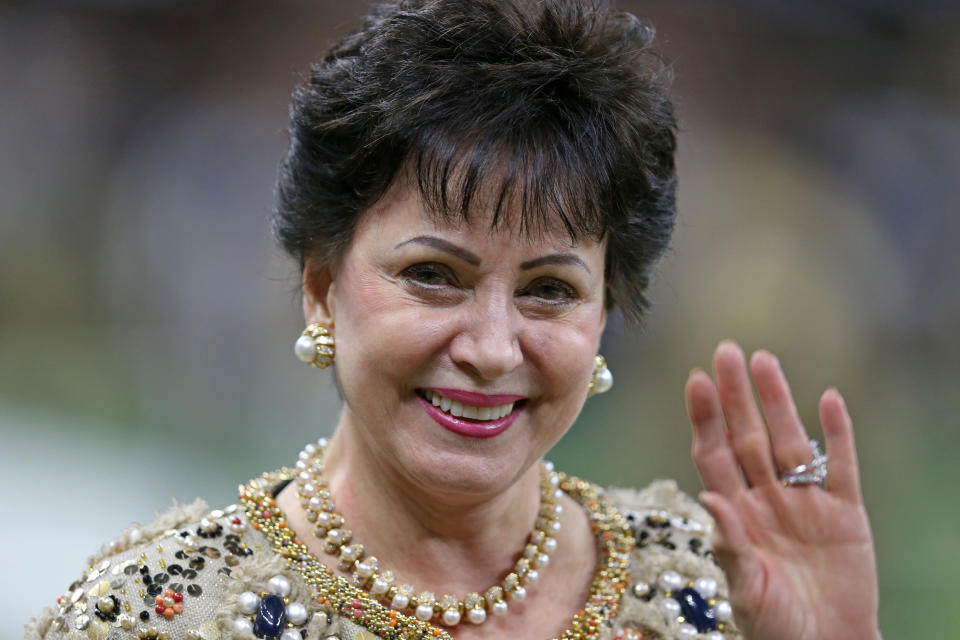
x=177, y=586
x=197, y=563
x=161, y=578
x=155, y=589
x=194, y=590
x=189, y=574
x=130, y=569
x=180, y=554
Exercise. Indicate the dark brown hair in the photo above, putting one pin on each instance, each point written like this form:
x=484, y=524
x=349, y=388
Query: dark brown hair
x=559, y=108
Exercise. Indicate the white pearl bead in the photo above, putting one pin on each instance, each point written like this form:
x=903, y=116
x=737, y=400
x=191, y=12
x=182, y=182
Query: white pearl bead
x=713, y=635
x=242, y=627
x=541, y=560
x=296, y=613
x=499, y=608
x=451, y=617
x=305, y=348
x=532, y=576
x=722, y=610
x=379, y=587
x=290, y=634
x=555, y=526
x=550, y=545
x=670, y=608
x=603, y=381
x=476, y=615
x=687, y=631
x=670, y=581
x=518, y=594
x=706, y=587
x=424, y=612
x=400, y=601
x=279, y=585
x=249, y=602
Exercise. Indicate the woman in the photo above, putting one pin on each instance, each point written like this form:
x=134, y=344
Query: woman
x=471, y=187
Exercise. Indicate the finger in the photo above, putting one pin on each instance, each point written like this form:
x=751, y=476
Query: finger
x=843, y=471
x=788, y=438
x=734, y=551
x=711, y=447
x=747, y=429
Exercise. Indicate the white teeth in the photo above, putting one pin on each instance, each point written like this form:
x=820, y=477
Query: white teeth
x=471, y=412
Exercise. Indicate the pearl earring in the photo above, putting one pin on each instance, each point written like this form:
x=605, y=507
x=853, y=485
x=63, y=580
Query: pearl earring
x=602, y=380
x=315, y=346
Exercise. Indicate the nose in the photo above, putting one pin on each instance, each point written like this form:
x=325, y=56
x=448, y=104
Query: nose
x=488, y=343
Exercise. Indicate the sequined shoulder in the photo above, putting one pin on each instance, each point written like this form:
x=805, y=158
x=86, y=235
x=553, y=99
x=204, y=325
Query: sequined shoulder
x=191, y=574
x=676, y=588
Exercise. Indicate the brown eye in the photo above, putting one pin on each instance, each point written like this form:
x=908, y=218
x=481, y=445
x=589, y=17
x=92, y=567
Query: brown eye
x=428, y=275
x=550, y=290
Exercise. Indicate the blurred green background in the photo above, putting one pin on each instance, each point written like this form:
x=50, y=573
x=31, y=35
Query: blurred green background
x=147, y=320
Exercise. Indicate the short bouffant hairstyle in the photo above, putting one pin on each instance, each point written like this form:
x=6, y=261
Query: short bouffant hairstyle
x=551, y=113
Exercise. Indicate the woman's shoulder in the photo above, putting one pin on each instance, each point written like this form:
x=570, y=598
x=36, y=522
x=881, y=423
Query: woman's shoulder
x=193, y=573
x=676, y=589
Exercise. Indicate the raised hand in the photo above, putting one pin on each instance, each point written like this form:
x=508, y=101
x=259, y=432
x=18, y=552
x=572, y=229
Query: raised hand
x=799, y=559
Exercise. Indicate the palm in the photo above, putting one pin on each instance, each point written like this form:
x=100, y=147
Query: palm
x=799, y=560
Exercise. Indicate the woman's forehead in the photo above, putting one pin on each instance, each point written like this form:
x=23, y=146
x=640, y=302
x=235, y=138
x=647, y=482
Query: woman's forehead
x=403, y=210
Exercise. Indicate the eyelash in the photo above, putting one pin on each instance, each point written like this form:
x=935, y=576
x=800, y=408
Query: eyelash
x=414, y=276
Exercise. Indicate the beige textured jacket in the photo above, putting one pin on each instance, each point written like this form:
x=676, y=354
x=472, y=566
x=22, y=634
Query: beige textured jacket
x=203, y=561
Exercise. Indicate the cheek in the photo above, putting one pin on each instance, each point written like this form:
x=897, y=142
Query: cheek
x=565, y=360
x=380, y=334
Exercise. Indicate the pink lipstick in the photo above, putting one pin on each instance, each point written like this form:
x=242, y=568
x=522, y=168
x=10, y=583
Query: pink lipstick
x=466, y=426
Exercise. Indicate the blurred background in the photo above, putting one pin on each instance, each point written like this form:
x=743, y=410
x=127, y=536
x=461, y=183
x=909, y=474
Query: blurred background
x=147, y=319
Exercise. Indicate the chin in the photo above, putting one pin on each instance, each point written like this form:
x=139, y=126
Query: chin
x=466, y=468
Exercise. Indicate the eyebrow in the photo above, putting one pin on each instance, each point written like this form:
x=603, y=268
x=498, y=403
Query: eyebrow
x=474, y=259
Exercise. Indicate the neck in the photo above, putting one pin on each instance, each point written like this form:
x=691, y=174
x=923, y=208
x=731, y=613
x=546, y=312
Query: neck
x=446, y=541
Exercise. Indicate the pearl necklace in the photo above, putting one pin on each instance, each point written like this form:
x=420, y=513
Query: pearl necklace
x=330, y=527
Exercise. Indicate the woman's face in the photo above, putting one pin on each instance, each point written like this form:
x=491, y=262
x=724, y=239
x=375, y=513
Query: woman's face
x=427, y=313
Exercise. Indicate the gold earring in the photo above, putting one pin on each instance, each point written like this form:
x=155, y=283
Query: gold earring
x=316, y=346
x=602, y=380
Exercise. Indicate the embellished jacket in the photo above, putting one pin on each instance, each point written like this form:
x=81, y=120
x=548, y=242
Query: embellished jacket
x=201, y=574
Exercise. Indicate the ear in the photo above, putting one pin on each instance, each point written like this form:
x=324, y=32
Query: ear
x=318, y=288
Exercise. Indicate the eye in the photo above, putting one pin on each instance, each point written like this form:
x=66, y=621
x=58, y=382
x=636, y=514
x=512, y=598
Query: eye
x=551, y=290
x=428, y=275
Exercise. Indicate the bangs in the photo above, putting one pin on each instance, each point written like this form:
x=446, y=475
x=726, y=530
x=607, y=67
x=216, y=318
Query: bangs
x=533, y=182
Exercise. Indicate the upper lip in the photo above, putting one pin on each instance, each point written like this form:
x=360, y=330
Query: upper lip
x=477, y=399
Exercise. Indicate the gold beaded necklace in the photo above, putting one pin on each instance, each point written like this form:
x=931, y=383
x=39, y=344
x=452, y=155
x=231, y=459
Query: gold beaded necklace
x=449, y=610
x=350, y=601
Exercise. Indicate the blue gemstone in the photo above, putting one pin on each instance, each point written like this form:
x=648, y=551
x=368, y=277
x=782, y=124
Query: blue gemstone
x=696, y=610
x=271, y=617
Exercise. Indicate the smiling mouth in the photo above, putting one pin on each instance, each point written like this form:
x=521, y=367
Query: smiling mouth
x=466, y=411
